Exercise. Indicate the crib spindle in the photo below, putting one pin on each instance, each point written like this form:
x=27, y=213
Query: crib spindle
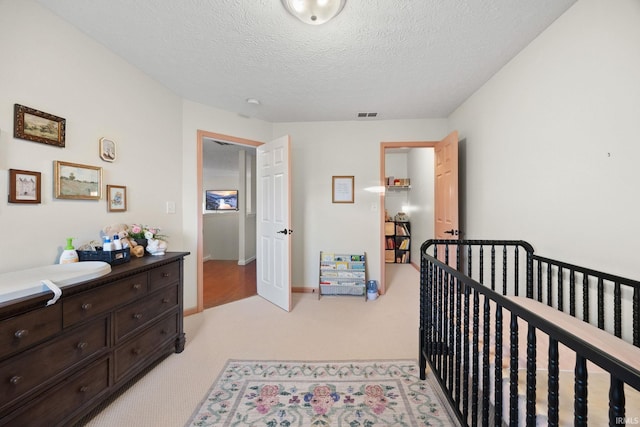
x=465, y=366
x=616, y=401
x=486, y=326
x=560, y=291
x=476, y=356
x=600, y=303
x=513, y=372
x=572, y=292
x=493, y=268
x=636, y=317
x=531, y=376
x=458, y=341
x=549, y=285
x=581, y=392
x=617, y=310
x=451, y=328
x=553, y=396
x=504, y=269
x=498, y=368
x=585, y=297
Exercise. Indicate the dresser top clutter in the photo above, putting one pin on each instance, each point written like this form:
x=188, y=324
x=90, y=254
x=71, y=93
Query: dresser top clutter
x=65, y=350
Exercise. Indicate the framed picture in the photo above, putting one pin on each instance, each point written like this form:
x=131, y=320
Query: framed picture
x=24, y=186
x=116, y=198
x=76, y=181
x=342, y=189
x=107, y=150
x=38, y=126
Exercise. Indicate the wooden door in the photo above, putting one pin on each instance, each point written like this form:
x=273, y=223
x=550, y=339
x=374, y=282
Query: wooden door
x=273, y=246
x=446, y=188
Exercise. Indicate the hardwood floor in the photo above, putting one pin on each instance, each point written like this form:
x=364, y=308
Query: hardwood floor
x=226, y=281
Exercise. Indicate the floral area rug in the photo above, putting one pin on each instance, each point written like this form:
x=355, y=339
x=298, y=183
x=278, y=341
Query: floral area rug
x=349, y=393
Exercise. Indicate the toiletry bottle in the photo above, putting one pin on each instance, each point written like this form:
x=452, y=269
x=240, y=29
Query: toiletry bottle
x=106, y=244
x=69, y=253
x=117, y=244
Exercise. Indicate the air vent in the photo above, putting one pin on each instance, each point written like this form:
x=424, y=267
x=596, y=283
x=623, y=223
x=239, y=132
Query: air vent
x=367, y=114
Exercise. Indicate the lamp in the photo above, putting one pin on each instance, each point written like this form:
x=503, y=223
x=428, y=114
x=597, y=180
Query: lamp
x=314, y=12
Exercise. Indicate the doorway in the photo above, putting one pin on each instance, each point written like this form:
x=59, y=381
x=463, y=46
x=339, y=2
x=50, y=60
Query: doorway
x=412, y=161
x=226, y=254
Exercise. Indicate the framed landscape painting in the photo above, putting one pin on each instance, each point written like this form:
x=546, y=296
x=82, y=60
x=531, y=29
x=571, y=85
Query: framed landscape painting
x=38, y=126
x=76, y=181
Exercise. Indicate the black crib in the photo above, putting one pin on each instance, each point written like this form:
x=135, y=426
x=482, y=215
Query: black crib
x=469, y=330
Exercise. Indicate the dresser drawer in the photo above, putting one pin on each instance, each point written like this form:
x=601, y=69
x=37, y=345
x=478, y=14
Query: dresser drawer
x=100, y=300
x=24, y=372
x=164, y=275
x=62, y=401
x=135, y=315
x=146, y=347
x=29, y=328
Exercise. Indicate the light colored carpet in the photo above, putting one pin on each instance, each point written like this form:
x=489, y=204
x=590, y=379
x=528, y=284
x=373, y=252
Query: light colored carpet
x=332, y=328
x=323, y=393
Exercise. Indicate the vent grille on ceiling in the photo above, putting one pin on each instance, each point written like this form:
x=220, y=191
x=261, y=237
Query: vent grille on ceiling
x=367, y=114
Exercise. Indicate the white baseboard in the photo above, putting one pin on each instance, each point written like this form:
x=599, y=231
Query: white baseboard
x=246, y=261
x=206, y=258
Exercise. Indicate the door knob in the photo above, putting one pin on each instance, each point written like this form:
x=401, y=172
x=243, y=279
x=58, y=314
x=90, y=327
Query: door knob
x=452, y=232
x=285, y=231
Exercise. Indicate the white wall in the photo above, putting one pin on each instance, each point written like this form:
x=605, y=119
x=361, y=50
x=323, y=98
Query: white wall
x=323, y=149
x=552, y=141
x=395, y=164
x=50, y=66
x=420, y=166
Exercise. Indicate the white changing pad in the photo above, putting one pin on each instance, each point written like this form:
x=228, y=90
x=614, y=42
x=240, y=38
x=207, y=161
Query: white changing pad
x=18, y=284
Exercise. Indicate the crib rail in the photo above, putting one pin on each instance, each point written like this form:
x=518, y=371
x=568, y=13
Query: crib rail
x=470, y=329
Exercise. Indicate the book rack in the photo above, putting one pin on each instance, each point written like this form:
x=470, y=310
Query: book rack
x=342, y=274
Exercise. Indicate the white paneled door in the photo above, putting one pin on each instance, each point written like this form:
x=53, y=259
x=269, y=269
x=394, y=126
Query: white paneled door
x=273, y=246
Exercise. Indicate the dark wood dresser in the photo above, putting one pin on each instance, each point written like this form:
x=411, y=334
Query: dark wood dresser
x=58, y=363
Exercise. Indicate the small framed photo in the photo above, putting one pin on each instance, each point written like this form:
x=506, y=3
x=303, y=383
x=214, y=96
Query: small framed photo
x=342, y=189
x=116, y=198
x=107, y=150
x=24, y=186
x=38, y=126
x=76, y=181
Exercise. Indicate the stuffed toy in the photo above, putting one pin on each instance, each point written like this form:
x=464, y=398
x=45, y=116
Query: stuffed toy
x=156, y=246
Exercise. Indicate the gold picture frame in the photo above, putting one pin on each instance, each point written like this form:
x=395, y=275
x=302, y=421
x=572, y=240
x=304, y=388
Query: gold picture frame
x=24, y=186
x=116, y=198
x=342, y=189
x=38, y=126
x=77, y=181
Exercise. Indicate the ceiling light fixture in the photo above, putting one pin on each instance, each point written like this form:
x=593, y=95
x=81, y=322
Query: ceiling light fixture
x=314, y=12
x=253, y=101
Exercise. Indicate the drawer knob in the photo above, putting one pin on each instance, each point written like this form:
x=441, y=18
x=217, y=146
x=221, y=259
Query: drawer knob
x=166, y=274
x=15, y=380
x=165, y=300
x=136, y=351
x=137, y=286
x=84, y=389
x=82, y=345
x=137, y=316
x=86, y=306
x=21, y=333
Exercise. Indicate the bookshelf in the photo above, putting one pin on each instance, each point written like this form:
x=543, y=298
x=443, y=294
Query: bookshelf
x=397, y=242
x=342, y=274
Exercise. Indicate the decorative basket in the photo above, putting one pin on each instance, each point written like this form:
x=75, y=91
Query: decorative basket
x=119, y=256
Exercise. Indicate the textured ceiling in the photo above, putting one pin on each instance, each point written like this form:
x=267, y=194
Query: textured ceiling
x=403, y=59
